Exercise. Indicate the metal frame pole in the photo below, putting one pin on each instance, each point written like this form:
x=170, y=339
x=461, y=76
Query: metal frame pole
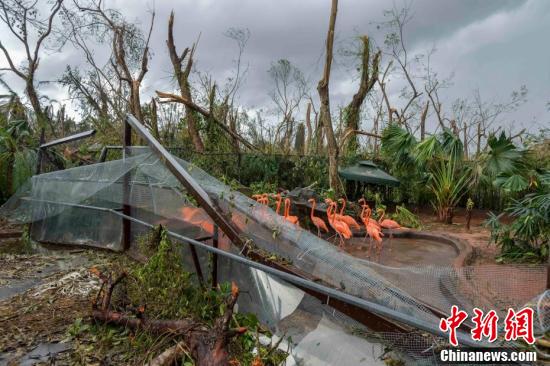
x=187, y=181
x=126, y=209
x=215, y=258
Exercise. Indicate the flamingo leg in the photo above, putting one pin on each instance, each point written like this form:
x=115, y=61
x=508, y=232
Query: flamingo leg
x=341, y=241
x=379, y=250
x=369, y=247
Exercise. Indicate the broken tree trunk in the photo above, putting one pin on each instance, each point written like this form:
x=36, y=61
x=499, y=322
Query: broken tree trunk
x=207, y=346
x=182, y=76
x=367, y=82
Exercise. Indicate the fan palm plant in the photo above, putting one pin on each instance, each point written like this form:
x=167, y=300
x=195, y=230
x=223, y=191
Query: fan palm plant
x=527, y=237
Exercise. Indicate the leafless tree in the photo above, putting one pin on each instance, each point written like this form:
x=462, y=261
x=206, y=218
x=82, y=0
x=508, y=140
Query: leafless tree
x=31, y=28
x=130, y=50
x=289, y=89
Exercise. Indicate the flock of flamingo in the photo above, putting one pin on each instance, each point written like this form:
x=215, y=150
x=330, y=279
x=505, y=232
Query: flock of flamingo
x=341, y=223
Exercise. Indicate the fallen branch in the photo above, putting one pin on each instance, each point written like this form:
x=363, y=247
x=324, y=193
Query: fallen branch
x=168, y=97
x=169, y=355
x=208, y=346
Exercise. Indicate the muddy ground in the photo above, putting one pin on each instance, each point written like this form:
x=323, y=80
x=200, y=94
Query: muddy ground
x=45, y=295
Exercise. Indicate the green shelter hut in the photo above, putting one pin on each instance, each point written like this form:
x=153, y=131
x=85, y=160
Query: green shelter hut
x=363, y=173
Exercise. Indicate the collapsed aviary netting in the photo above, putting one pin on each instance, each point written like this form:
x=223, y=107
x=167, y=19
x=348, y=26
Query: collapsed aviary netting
x=82, y=206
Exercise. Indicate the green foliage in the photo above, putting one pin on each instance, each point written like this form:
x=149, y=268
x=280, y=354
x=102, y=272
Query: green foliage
x=527, y=237
x=398, y=145
x=17, y=158
x=406, y=218
x=263, y=187
x=167, y=291
x=503, y=157
x=448, y=186
x=470, y=204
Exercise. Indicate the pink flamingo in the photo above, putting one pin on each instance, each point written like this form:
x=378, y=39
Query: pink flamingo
x=372, y=230
x=341, y=228
x=279, y=201
x=387, y=223
x=350, y=221
x=317, y=221
x=291, y=219
x=264, y=199
x=370, y=221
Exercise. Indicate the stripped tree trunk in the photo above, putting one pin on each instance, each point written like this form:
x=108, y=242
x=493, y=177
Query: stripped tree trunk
x=182, y=76
x=351, y=112
x=324, y=113
x=308, y=126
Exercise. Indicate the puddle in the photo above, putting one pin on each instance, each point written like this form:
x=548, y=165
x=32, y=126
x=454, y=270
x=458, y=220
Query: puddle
x=42, y=353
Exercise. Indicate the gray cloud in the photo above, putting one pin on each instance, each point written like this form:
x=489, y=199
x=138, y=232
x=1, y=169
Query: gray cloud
x=492, y=45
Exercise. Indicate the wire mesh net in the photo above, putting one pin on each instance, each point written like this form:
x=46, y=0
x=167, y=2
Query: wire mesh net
x=82, y=206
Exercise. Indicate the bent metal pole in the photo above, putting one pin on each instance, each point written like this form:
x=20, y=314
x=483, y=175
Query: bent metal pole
x=186, y=180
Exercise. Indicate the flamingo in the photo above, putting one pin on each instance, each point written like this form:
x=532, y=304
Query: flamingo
x=341, y=228
x=387, y=223
x=317, y=221
x=346, y=218
x=198, y=217
x=279, y=201
x=372, y=230
x=291, y=219
x=264, y=199
x=366, y=207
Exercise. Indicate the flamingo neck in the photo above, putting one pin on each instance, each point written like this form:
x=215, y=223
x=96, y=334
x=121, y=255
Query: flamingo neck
x=279, y=200
x=312, y=209
x=382, y=217
x=287, y=207
x=363, y=211
x=343, y=207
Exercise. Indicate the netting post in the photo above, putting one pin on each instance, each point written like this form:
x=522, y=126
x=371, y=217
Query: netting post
x=548, y=274
x=215, y=258
x=126, y=209
x=40, y=152
x=197, y=264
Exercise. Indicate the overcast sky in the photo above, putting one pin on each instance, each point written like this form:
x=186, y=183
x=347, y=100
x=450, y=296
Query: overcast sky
x=491, y=45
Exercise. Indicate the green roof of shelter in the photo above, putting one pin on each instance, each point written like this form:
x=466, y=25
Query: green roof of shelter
x=368, y=172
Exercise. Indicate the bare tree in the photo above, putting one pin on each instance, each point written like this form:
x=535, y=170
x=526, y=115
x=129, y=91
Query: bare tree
x=23, y=18
x=396, y=48
x=129, y=49
x=287, y=94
